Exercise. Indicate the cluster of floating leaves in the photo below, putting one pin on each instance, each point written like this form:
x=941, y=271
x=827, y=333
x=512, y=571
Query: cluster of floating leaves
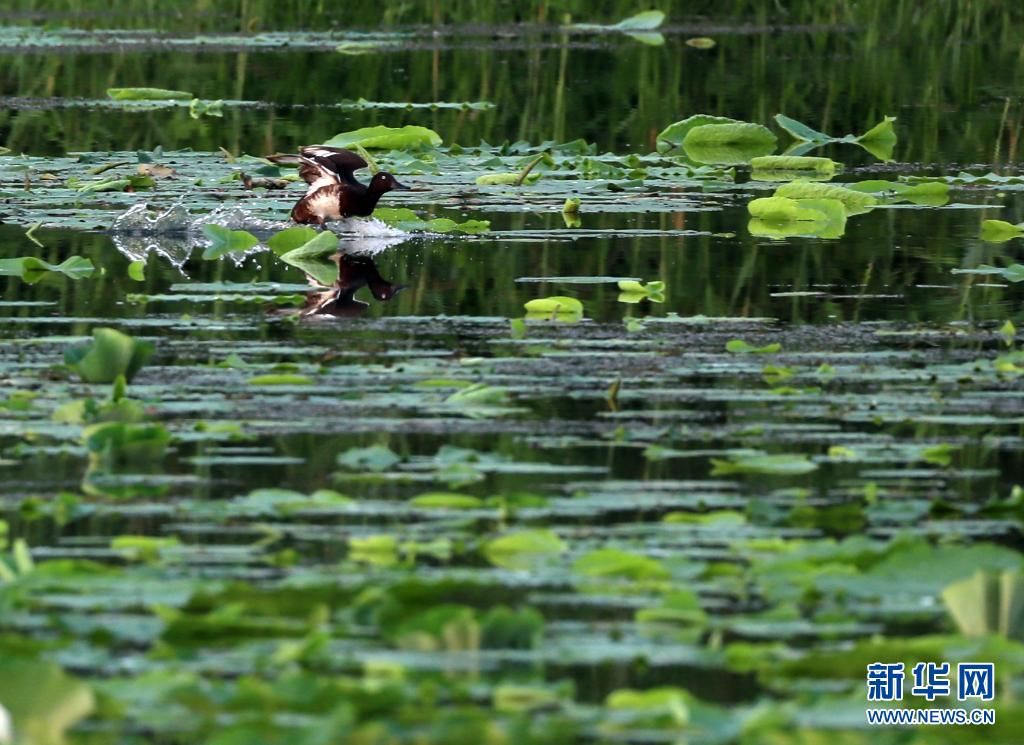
x=552, y=535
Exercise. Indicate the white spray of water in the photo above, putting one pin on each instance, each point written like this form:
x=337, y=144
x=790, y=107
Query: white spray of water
x=174, y=233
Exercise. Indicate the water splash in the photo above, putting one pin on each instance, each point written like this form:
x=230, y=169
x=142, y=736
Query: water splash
x=236, y=218
x=175, y=249
x=174, y=233
x=140, y=220
x=366, y=227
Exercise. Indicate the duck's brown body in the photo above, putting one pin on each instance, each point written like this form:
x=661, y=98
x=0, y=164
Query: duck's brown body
x=333, y=191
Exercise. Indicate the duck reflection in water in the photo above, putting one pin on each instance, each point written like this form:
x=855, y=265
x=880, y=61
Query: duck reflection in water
x=355, y=271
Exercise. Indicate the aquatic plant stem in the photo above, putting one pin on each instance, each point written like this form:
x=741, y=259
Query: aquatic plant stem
x=529, y=167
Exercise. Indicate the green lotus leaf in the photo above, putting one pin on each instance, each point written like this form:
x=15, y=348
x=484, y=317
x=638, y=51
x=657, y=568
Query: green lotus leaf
x=556, y=304
x=31, y=269
x=525, y=549
x=147, y=94
x=387, y=138
x=855, y=202
x=1000, y=231
x=783, y=163
x=109, y=355
x=224, y=241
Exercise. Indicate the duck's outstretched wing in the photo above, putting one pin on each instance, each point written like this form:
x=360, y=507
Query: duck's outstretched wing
x=319, y=162
x=321, y=166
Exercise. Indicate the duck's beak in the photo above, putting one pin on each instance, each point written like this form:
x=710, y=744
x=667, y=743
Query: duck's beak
x=400, y=187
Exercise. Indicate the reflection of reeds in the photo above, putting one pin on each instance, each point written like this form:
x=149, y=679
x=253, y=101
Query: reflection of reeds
x=929, y=64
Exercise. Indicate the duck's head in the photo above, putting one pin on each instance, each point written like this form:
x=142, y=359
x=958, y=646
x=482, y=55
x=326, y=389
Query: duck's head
x=384, y=181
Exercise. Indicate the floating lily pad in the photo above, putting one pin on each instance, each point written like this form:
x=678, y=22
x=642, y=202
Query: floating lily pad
x=147, y=94
x=224, y=241
x=31, y=269
x=611, y=562
x=855, y=202
x=525, y=549
x=555, y=305
x=880, y=140
x=387, y=138
x=1000, y=231
x=43, y=701
x=406, y=219
x=116, y=443
x=771, y=465
x=110, y=355
x=784, y=163
x=290, y=239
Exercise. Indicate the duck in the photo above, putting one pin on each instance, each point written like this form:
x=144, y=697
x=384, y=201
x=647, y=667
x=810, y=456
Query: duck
x=333, y=192
x=354, y=273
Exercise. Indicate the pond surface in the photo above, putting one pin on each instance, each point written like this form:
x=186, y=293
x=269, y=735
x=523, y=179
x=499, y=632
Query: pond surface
x=397, y=507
